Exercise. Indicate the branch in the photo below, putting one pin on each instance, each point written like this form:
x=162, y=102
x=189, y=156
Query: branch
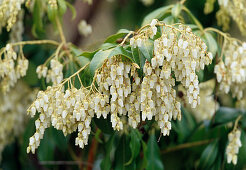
x=60, y=30
x=186, y=145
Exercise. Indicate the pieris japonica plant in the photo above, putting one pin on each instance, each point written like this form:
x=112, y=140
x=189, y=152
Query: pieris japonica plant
x=168, y=90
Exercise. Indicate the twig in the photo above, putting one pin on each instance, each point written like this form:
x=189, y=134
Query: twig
x=52, y=42
x=236, y=122
x=60, y=30
x=186, y=145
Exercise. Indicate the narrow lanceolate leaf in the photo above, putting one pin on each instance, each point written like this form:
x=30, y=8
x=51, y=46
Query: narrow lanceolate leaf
x=98, y=59
x=147, y=49
x=135, y=144
x=153, y=154
x=47, y=147
x=71, y=7
x=106, y=162
x=62, y=7
x=119, y=50
x=37, y=18
x=209, y=155
x=123, y=154
x=157, y=14
x=51, y=13
x=176, y=10
x=101, y=55
x=120, y=34
x=211, y=43
x=225, y=115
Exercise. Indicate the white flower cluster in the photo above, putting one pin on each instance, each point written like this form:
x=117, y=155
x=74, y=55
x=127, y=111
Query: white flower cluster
x=17, y=30
x=9, y=10
x=67, y=111
x=54, y=74
x=158, y=98
x=11, y=68
x=149, y=32
x=180, y=51
x=114, y=80
x=232, y=148
x=122, y=93
x=84, y=28
x=13, y=117
x=148, y=2
x=236, y=10
x=231, y=73
x=203, y=112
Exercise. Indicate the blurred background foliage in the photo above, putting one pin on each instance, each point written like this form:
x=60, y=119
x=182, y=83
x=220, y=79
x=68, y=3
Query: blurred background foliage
x=201, y=145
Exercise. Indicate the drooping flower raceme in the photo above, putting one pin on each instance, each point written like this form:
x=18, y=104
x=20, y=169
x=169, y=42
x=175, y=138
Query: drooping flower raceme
x=236, y=9
x=54, y=74
x=9, y=10
x=203, y=112
x=13, y=117
x=180, y=51
x=231, y=73
x=68, y=111
x=17, y=30
x=232, y=148
x=120, y=91
x=12, y=67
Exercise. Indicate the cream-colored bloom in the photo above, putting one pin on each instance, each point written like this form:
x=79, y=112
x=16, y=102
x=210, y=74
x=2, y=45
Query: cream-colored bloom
x=84, y=28
x=202, y=111
x=232, y=148
x=9, y=10
x=231, y=73
x=13, y=117
x=10, y=70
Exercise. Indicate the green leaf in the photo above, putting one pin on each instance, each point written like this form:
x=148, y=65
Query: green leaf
x=153, y=154
x=136, y=55
x=29, y=131
x=135, y=144
x=31, y=77
x=47, y=147
x=101, y=55
x=185, y=127
x=211, y=43
x=242, y=150
x=147, y=49
x=200, y=75
x=83, y=61
x=119, y=50
x=71, y=70
x=176, y=10
x=142, y=162
x=73, y=10
x=62, y=7
x=60, y=141
x=88, y=55
x=104, y=125
x=225, y=115
x=52, y=14
x=122, y=154
x=169, y=20
x=217, y=163
x=37, y=18
x=106, y=46
x=114, y=37
x=209, y=155
x=159, y=14
x=98, y=59
x=106, y=162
